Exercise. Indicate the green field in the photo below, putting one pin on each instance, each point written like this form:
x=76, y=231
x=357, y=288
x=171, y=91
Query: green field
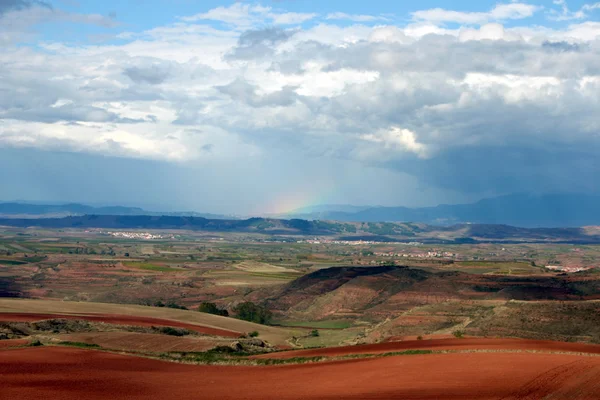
x=12, y=262
x=335, y=324
x=150, y=267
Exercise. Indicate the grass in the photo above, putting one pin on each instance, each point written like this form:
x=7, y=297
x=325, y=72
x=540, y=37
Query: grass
x=149, y=266
x=12, y=262
x=226, y=355
x=334, y=324
x=283, y=276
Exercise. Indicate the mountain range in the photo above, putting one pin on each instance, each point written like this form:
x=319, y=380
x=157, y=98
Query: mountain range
x=289, y=230
x=30, y=210
x=525, y=210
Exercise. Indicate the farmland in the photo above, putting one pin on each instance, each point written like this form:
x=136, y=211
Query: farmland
x=332, y=307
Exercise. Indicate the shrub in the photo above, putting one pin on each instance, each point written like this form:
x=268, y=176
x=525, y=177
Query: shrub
x=253, y=334
x=314, y=333
x=168, y=330
x=419, y=337
x=249, y=311
x=458, y=334
x=80, y=344
x=211, y=308
x=176, y=306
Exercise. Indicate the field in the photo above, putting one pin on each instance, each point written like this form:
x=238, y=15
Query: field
x=413, y=320
x=68, y=373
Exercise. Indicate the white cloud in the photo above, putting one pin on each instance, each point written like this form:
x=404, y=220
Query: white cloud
x=501, y=12
x=355, y=17
x=246, y=15
x=565, y=14
x=492, y=31
x=397, y=139
x=291, y=18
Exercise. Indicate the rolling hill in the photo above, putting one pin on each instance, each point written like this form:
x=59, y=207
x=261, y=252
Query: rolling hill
x=380, y=292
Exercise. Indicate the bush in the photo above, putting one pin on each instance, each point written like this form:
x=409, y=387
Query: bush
x=211, y=308
x=314, y=333
x=80, y=344
x=253, y=334
x=419, y=337
x=249, y=311
x=168, y=330
x=458, y=334
x=176, y=306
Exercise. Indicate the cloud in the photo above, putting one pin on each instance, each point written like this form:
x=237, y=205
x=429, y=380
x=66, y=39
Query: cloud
x=153, y=74
x=254, y=44
x=466, y=107
x=355, y=17
x=565, y=14
x=17, y=17
x=562, y=46
x=397, y=138
x=12, y=5
x=240, y=90
x=246, y=15
x=501, y=12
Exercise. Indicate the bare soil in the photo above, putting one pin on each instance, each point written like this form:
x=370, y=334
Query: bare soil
x=74, y=374
x=442, y=344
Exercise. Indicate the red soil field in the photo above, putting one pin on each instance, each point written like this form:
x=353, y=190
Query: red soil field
x=5, y=344
x=119, y=320
x=130, y=341
x=75, y=374
x=442, y=344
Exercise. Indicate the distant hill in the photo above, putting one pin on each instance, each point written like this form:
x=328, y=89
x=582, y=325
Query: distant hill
x=288, y=230
x=27, y=210
x=551, y=210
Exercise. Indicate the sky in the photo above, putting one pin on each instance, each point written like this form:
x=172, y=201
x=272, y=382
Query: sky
x=264, y=107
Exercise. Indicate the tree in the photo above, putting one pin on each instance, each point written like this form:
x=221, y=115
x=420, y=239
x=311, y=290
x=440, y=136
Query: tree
x=211, y=308
x=249, y=311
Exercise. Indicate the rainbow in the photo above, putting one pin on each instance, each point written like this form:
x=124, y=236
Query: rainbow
x=293, y=200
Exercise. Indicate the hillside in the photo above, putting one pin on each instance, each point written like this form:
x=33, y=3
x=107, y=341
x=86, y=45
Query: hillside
x=376, y=293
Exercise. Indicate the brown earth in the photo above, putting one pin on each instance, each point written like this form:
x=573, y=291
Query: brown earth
x=8, y=343
x=442, y=344
x=119, y=320
x=376, y=293
x=146, y=342
x=66, y=373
